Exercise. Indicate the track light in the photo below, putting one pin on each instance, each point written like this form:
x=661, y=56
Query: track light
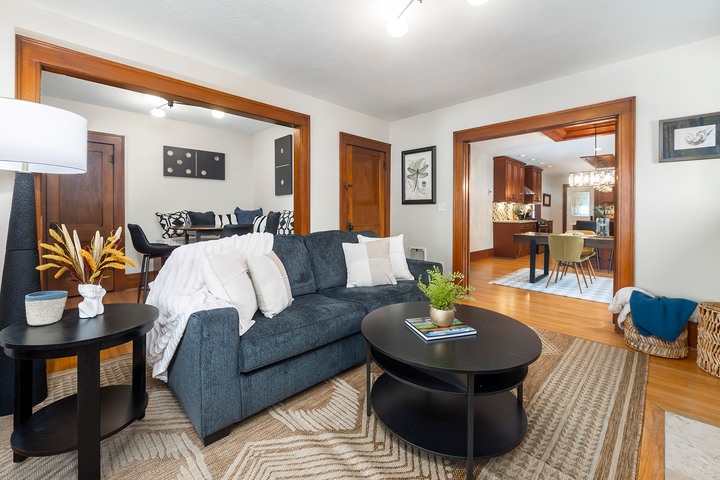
x=218, y=114
x=156, y=112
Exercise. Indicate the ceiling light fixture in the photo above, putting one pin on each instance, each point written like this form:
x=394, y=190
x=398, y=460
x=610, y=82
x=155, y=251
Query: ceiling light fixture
x=523, y=154
x=218, y=114
x=397, y=27
x=156, y=112
x=602, y=178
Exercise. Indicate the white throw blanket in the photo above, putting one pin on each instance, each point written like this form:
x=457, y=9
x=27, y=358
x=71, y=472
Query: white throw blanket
x=621, y=302
x=179, y=291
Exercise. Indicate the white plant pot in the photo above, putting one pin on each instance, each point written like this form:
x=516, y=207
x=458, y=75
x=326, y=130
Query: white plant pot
x=92, y=305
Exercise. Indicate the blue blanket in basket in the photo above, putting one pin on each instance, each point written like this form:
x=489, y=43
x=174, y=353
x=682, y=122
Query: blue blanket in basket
x=660, y=316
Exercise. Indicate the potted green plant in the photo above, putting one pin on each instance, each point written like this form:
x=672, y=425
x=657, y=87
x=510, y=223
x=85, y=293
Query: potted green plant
x=444, y=292
x=602, y=221
x=516, y=211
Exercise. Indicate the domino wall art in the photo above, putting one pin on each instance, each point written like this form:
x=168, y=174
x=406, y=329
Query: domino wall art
x=185, y=162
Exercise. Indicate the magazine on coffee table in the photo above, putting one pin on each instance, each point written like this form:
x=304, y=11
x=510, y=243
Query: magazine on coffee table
x=428, y=331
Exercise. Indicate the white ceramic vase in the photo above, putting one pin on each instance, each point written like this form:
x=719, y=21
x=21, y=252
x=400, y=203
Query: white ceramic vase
x=92, y=305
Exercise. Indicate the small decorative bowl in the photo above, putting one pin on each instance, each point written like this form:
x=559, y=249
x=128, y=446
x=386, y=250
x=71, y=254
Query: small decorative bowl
x=44, y=308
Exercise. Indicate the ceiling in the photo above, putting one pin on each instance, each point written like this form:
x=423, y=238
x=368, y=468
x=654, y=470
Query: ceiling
x=556, y=158
x=339, y=50
x=69, y=88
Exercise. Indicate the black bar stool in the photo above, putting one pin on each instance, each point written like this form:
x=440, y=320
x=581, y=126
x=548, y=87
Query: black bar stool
x=148, y=251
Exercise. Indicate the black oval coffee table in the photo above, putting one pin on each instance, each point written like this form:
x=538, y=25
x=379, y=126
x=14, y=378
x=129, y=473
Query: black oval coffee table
x=79, y=421
x=423, y=395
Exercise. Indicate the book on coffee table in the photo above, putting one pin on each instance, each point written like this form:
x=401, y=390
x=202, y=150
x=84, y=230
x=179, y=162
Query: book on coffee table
x=428, y=331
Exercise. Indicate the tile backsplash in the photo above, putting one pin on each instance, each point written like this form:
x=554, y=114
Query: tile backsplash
x=504, y=211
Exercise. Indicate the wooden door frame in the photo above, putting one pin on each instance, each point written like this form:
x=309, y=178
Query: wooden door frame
x=346, y=140
x=118, y=143
x=34, y=56
x=623, y=110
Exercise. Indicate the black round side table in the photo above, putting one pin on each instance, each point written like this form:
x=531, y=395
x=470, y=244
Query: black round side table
x=79, y=421
x=450, y=397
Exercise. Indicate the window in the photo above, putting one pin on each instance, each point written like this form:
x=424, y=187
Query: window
x=580, y=204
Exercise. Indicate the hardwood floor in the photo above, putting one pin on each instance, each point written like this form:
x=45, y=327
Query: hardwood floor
x=678, y=386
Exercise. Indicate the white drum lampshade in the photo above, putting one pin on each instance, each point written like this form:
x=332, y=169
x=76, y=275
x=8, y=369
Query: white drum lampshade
x=48, y=139
x=34, y=138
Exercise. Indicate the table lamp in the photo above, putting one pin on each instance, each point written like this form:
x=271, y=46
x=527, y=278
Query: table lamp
x=34, y=138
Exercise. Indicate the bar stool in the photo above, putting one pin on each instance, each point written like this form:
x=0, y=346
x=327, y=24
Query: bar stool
x=148, y=251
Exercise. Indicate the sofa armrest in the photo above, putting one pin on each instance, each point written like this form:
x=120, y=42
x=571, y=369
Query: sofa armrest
x=420, y=267
x=204, y=373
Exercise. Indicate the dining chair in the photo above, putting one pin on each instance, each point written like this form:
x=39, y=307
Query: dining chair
x=148, y=251
x=230, y=230
x=589, y=252
x=566, y=250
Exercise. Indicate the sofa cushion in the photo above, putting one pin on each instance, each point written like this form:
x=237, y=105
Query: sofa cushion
x=327, y=257
x=310, y=322
x=375, y=297
x=291, y=251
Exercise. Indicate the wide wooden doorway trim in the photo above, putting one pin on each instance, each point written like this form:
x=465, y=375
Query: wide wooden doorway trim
x=622, y=110
x=33, y=57
x=347, y=140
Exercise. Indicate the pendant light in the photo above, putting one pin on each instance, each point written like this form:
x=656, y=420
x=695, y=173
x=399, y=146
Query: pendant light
x=602, y=178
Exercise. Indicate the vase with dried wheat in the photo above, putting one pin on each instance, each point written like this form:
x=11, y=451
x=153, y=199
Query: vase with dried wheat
x=85, y=264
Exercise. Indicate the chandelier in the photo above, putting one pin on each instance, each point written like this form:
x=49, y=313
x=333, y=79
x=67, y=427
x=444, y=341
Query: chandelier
x=602, y=178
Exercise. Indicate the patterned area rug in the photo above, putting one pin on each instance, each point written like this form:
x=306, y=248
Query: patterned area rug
x=584, y=402
x=601, y=290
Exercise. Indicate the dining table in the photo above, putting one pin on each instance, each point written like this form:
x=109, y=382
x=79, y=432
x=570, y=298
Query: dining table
x=537, y=238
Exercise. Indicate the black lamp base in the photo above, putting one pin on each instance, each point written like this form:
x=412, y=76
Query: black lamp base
x=18, y=279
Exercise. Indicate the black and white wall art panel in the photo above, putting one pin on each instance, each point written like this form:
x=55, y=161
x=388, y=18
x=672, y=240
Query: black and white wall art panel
x=284, y=165
x=185, y=162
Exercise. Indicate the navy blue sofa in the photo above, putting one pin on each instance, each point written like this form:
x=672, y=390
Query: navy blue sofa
x=220, y=378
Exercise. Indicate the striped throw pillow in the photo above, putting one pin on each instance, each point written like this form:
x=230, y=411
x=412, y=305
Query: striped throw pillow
x=225, y=219
x=259, y=224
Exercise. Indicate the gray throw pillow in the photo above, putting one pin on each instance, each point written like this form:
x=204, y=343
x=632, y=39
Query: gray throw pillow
x=199, y=219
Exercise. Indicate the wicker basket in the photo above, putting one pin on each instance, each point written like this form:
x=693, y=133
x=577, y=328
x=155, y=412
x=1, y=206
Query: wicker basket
x=656, y=346
x=708, y=347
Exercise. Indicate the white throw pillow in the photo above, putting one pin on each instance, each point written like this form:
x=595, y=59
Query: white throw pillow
x=397, y=256
x=368, y=264
x=272, y=287
x=226, y=276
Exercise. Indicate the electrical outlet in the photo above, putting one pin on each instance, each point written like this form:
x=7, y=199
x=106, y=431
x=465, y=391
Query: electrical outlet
x=442, y=207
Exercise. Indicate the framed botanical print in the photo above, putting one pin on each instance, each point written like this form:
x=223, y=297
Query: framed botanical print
x=690, y=138
x=546, y=200
x=419, y=183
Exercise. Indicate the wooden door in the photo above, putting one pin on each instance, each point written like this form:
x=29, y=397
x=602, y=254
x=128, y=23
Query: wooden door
x=364, y=185
x=85, y=203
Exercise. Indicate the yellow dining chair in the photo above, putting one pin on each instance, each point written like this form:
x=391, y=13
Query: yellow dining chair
x=566, y=250
x=590, y=252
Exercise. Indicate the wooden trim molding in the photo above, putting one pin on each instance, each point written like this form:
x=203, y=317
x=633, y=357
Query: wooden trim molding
x=481, y=254
x=33, y=57
x=347, y=140
x=623, y=111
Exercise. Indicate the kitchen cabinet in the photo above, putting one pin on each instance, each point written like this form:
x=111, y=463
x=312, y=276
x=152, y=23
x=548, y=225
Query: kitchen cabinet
x=503, y=244
x=533, y=181
x=605, y=197
x=508, y=180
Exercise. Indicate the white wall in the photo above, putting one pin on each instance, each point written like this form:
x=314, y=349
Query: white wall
x=263, y=147
x=670, y=227
x=327, y=119
x=553, y=184
x=146, y=189
x=481, y=204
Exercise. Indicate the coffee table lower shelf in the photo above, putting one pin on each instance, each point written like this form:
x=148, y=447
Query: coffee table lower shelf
x=437, y=422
